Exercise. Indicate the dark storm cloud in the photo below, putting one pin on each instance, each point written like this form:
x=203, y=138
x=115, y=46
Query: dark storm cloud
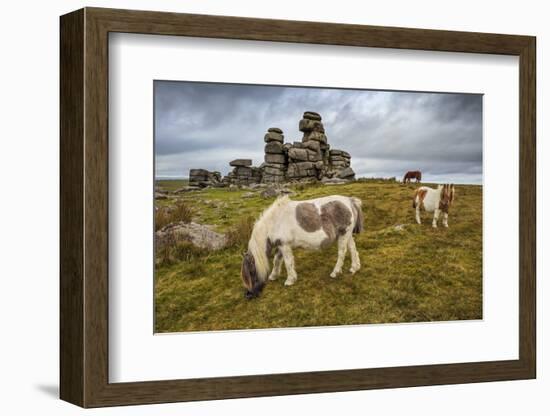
x=206, y=125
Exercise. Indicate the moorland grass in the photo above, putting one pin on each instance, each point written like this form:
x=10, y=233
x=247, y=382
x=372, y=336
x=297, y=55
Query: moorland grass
x=412, y=273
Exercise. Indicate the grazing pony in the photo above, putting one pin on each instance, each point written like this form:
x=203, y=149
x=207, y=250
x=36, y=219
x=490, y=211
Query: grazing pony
x=434, y=200
x=412, y=174
x=311, y=224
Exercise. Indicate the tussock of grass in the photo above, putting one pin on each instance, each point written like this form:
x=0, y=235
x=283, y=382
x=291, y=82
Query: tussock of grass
x=239, y=234
x=181, y=211
x=413, y=274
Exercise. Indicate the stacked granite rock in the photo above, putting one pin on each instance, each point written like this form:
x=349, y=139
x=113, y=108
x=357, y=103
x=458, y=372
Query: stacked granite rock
x=339, y=164
x=202, y=178
x=275, y=158
x=309, y=159
x=243, y=173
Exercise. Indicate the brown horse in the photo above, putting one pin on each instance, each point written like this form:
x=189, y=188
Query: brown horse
x=412, y=174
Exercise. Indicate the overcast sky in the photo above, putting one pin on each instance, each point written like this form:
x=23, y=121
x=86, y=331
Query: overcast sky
x=205, y=125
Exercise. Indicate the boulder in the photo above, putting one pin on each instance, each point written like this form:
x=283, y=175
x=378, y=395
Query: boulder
x=297, y=154
x=274, y=137
x=199, y=235
x=271, y=171
x=274, y=158
x=301, y=169
x=274, y=147
x=241, y=162
x=334, y=158
x=312, y=115
x=346, y=173
x=315, y=135
x=204, y=178
x=275, y=130
x=312, y=145
x=307, y=125
x=314, y=156
x=273, y=165
x=243, y=171
x=198, y=173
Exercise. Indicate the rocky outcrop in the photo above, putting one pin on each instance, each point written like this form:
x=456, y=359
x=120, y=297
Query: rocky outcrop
x=243, y=173
x=310, y=159
x=340, y=164
x=275, y=157
x=203, y=178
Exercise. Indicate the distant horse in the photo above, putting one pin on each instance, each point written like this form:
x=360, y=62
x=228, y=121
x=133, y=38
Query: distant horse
x=412, y=174
x=311, y=224
x=434, y=200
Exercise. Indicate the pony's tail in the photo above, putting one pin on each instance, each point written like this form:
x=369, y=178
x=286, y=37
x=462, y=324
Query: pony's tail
x=414, y=199
x=359, y=217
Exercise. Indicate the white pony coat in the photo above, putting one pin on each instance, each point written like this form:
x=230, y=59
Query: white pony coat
x=434, y=200
x=279, y=227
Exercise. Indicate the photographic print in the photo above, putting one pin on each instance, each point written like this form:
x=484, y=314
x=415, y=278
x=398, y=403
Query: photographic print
x=290, y=206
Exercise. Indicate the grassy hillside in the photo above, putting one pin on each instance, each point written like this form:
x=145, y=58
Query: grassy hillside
x=412, y=273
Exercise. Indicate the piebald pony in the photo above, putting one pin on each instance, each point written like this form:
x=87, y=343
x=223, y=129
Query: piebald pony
x=434, y=200
x=310, y=224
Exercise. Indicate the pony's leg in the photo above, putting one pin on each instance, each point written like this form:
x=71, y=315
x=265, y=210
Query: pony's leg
x=288, y=257
x=277, y=266
x=445, y=219
x=418, y=213
x=355, y=262
x=342, y=249
x=436, y=217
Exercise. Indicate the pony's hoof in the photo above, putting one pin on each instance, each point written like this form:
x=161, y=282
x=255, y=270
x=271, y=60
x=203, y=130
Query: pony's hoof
x=353, y=270
x=434, y=225
x=334, y=275
x=272, y=277
x=290, y=282
x=446, y=225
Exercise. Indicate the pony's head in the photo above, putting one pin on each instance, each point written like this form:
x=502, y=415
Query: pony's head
x=252, y=283
x=447, y=196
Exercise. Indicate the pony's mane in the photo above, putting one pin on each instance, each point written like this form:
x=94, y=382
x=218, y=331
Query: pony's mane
x=258, y=240
x=279, y=202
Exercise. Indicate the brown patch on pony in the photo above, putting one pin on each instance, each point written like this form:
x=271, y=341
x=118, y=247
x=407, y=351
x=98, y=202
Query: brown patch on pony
x=307, y=216
x=335, y=219
x=421, y=194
